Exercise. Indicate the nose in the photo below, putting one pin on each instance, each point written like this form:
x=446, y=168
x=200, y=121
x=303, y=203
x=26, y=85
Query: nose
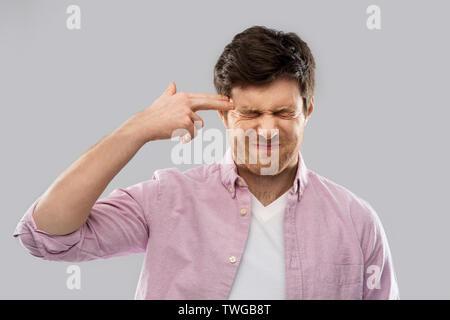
x=267, y=126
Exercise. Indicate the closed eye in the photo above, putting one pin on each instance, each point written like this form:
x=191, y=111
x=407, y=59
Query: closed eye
x=286, y=114
x=249, y=114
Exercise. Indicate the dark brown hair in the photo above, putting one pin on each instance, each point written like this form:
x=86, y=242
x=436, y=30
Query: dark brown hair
x=259, y=55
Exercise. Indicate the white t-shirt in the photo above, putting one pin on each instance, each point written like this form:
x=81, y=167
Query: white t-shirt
x=261, y=273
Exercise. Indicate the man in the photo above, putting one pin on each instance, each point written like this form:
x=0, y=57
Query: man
x=235, y=229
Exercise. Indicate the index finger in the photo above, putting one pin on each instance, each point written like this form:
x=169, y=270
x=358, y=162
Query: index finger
x=206, y=95
x=211, y=104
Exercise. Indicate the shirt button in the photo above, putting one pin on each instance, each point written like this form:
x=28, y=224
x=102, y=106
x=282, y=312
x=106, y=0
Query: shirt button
x=243, y=211
x=232, y=259
x=240, y=183
x=301, y=193
x=231, y=189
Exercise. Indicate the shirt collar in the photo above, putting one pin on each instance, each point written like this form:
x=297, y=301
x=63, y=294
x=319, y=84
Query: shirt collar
x=230, y=177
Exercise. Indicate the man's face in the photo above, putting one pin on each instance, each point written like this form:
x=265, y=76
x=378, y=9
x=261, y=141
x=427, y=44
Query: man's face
x=272, y=118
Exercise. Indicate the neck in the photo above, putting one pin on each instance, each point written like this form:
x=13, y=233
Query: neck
x=268, y=188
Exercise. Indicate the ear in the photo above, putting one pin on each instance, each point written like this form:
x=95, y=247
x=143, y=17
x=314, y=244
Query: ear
x=310, y=110
x=311, y=107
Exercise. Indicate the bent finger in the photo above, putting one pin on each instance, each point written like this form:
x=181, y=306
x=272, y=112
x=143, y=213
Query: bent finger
x=198, y=121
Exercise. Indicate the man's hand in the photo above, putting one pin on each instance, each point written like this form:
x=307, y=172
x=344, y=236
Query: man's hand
x=173, y=111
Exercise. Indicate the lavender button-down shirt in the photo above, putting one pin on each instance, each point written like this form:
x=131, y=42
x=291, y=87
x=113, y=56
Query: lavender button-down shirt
x=193, y=230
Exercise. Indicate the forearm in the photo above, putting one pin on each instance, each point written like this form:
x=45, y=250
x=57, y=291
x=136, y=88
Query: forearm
x=65, y=205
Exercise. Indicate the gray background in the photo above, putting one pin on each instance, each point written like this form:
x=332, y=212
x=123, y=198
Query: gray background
x=379, y=127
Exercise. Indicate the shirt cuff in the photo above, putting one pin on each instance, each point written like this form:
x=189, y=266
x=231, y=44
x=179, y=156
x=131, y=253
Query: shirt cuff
x=41, y=243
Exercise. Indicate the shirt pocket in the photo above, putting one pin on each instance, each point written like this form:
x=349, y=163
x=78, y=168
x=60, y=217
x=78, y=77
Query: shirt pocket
x=339, y=281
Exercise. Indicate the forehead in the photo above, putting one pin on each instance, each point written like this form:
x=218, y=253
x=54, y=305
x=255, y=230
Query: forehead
x=280, y=93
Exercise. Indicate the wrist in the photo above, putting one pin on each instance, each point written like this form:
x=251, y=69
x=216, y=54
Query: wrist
x=133, y=131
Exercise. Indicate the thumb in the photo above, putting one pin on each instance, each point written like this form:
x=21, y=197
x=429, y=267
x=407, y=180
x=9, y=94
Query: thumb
x=171, y=89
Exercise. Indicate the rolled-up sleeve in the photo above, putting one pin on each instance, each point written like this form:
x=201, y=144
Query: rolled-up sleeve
x=380, y=280
x=118, y=225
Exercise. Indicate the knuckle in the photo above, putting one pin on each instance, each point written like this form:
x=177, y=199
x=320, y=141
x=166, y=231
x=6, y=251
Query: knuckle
x=184, y=96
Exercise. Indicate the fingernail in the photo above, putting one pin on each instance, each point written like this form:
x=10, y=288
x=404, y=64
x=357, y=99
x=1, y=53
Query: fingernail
x=186, y=138
x=198, y=125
